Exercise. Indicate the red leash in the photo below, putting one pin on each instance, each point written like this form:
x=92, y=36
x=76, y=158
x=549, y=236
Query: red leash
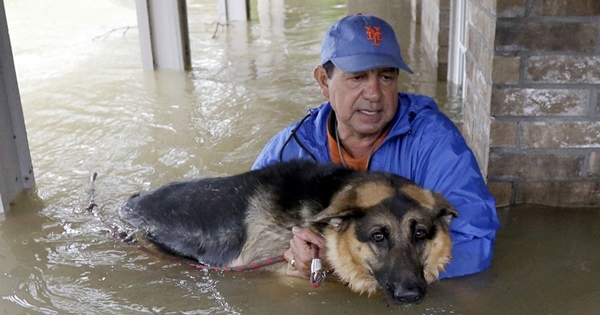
x=248, y=267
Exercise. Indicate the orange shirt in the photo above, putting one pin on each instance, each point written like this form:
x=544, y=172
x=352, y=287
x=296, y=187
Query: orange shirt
x=356, y=163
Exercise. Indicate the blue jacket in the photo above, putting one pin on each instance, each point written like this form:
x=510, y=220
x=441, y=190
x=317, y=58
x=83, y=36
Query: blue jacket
x=425, y=146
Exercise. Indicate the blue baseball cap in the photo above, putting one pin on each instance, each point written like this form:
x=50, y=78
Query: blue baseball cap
x=362, y=42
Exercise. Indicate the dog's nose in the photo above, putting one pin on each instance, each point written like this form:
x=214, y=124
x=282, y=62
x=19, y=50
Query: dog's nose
x=406, y=296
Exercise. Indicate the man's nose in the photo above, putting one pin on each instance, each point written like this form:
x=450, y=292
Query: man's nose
x=372, y=89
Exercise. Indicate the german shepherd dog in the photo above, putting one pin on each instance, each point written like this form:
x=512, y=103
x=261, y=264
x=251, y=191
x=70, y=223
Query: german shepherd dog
x=382, y=231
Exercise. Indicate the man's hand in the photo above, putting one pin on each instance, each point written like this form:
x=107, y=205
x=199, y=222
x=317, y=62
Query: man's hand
x=300, y=255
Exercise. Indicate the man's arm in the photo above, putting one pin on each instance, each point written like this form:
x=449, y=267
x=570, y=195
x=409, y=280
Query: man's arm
x=270, y=153
x=447, y=165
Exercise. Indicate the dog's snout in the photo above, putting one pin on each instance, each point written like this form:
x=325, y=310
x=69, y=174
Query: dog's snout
x=405, y=293
x=408, y=295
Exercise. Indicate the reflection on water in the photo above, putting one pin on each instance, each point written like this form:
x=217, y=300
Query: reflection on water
x=89, y=107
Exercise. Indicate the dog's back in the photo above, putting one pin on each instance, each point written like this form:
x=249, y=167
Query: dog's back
x=209, y=219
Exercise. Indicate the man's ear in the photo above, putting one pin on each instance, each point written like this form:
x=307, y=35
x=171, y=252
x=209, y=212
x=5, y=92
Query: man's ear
x=320, y=75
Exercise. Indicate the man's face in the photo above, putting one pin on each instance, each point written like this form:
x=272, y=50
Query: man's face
x=364, y=102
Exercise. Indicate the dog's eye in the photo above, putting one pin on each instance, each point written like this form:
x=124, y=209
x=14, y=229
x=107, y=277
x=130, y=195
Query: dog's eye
x=420, y=234
x=378, y=237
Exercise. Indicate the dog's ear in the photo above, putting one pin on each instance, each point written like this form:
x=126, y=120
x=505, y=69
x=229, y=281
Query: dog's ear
x=343, y=206
x=443, y=209
x=334, y=216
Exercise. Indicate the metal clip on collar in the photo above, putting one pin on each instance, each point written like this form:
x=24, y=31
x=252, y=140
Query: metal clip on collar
x=317, y=274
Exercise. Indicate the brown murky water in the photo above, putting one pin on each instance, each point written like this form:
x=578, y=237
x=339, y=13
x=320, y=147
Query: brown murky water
x=89, y=107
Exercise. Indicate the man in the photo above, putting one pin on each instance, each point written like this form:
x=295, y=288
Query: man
x=367, y=124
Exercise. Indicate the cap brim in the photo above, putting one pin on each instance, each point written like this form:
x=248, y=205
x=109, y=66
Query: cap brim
x=358, y=63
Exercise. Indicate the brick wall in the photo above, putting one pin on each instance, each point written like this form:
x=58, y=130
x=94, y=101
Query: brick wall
x=545, y=137
x=480, y=28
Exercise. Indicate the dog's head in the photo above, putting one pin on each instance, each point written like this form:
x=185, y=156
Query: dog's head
x=388, y=233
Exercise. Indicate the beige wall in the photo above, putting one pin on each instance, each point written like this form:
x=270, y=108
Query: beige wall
x=480, y=26
x=435, y=30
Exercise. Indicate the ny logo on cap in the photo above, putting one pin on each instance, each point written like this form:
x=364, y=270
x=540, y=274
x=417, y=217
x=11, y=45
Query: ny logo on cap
x=374, y=34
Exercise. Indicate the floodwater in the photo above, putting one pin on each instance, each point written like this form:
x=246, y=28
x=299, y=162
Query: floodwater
x=90, y=108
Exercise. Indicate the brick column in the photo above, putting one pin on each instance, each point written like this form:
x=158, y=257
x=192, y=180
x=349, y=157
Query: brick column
x=480, y=27
x=545, y=138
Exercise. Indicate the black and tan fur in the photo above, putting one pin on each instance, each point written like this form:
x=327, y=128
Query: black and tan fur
x=382, y=231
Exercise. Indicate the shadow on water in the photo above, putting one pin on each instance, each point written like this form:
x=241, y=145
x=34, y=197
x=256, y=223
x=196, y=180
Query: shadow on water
x=89, y=107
